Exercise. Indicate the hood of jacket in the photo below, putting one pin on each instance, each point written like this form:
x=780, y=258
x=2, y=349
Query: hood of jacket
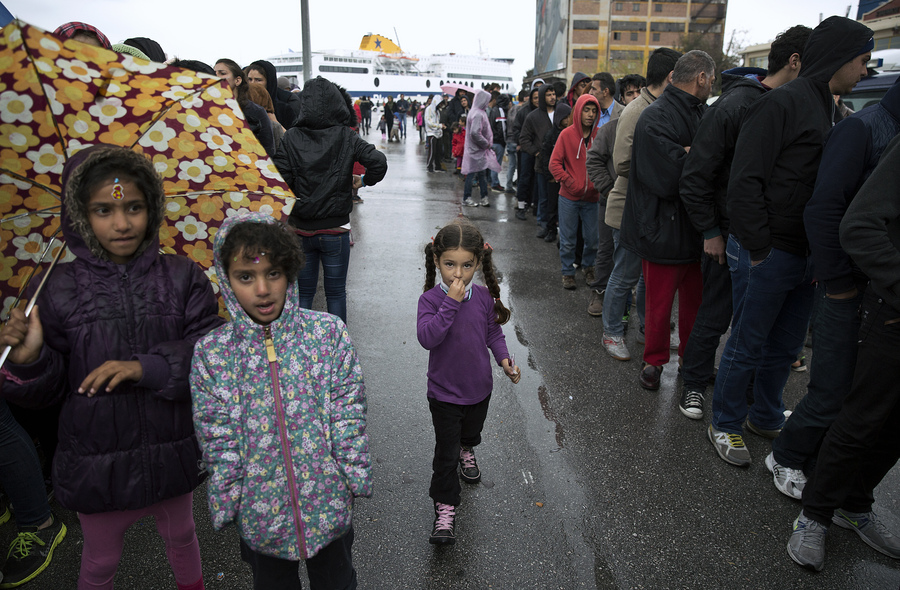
x=578, y=77
x=241, y=320
x=271, y=77
x=536, y=81
x=562, y=111
x=324, y=104
x=741, y=77
x=482, y=98
x=542, y=101
x=584, y=99
x=503, y=103
x=76, y=227
x=833, y=43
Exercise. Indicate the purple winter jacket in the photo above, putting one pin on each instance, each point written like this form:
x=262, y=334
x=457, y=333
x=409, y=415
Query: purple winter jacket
x=134, y=446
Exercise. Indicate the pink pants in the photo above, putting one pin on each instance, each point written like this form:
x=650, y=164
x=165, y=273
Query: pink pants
x=661, y=282
x=104, y=536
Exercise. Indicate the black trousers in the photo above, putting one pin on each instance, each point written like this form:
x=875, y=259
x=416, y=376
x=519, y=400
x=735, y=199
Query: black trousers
x=329, y=569
x=862, y=445
x=434, y=153
x=713, y=319
x=454, y=425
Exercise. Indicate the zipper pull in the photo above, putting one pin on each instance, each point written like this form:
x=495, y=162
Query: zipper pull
x=270, y=345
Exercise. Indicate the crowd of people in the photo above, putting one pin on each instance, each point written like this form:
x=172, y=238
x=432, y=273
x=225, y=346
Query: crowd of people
x=771, y=211
x=768, y=212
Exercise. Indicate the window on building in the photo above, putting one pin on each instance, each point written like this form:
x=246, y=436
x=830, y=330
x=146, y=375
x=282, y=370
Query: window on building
x=617, y=36
x=635, y=7
x=618, y=6
x=656, y=37
x=634, y=36
x=591, y=25
x=584, y=54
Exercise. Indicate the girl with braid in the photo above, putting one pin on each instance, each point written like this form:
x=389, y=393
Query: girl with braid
x=457, y=323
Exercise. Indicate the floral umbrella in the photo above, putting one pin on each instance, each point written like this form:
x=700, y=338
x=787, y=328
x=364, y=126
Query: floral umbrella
x=58, y=97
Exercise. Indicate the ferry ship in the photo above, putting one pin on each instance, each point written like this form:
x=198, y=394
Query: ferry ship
x=380, y=68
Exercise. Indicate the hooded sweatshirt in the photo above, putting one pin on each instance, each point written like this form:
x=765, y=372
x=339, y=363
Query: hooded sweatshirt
x=134, y=446
x=536, y=125
x=500, y=119
x=779, y=148
x=282, y=423
x=316, y=157
x=704, y=180
x=287, y=104
x=568, y=162
x=479, y=154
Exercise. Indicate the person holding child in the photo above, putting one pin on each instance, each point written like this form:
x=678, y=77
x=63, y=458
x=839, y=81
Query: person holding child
x=457, y=323
x=112, y=338
x=280, y=410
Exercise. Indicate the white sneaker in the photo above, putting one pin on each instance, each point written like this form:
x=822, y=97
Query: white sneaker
x=485, y=202
x=615, y=346
x=789, y=482
x=470, y=203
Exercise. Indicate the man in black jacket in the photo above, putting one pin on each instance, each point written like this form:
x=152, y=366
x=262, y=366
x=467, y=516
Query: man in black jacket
x=861, y=447
x=655, y=225
x=535, y=127
x=524, y=160
x=776, y=159
x=703, y=188
x=851, y=154
x=499, y=122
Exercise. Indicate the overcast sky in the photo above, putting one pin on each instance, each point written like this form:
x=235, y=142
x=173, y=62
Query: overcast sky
x=191, y=29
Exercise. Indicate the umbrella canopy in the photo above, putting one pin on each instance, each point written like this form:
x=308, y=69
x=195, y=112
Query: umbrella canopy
x=451, y=88
x=60, y=96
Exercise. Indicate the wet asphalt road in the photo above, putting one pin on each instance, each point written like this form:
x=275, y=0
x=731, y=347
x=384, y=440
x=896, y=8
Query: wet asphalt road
x=589, y=480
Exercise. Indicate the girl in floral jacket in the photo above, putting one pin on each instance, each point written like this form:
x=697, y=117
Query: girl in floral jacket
x=280, y=412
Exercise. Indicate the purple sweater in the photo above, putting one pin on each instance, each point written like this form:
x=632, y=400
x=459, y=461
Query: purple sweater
x=458, y=336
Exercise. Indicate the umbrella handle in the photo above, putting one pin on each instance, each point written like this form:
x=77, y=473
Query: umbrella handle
x=34, y=299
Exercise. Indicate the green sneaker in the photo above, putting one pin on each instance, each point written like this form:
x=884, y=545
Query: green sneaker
x=870, y=529
x=30, y=553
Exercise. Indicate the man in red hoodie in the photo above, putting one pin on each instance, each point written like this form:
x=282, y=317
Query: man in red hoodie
x=578, y=199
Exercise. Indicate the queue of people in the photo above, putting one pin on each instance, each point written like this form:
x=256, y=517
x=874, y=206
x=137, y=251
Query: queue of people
x=768, y=212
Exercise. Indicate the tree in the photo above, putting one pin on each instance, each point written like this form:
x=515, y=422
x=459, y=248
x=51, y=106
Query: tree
x=725, y=59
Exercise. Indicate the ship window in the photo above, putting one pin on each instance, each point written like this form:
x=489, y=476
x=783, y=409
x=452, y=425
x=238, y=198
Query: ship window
x=344, y=69
x=427, y=83
x=377, y=82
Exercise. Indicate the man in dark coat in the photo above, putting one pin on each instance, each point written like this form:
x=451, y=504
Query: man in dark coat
x=776, y=160
x=861, y=446
x=535, y=127
x=499, y=121
x=524, y=160
x=851, y=153
x=655, y=225
x=704, y=184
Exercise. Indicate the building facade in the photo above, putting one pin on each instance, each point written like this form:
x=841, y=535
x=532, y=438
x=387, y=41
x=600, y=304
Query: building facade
x=618, y=36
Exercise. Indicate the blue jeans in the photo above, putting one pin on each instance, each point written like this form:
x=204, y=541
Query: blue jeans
x=20, y=472
x=626, y=273
x=571, y=213
x=498, y=151
x=471, y=177
x=333, y=250
x=772, y=303
x=541, y=209
x=511, y=160
x=835, y=332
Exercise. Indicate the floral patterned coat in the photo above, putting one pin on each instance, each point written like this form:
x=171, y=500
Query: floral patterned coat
x=282, y=424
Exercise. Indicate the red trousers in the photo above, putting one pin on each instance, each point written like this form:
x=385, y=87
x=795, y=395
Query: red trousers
x=662, y=281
